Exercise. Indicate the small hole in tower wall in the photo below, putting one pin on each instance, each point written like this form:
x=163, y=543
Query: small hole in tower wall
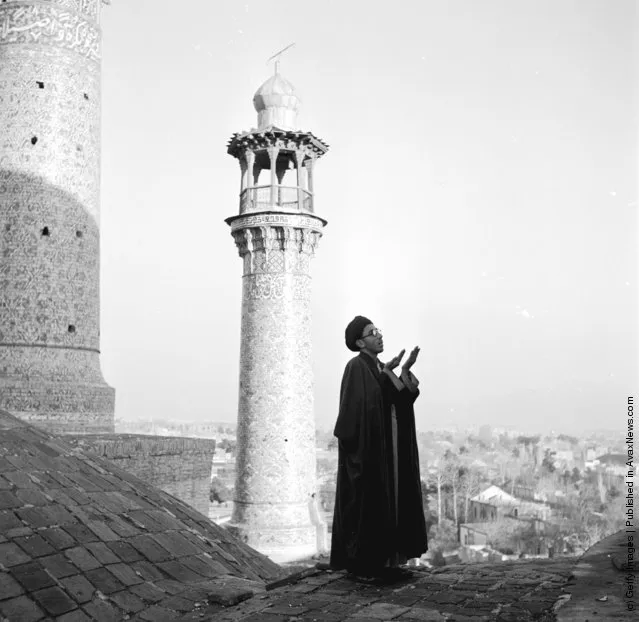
x=71, y=328
x=86, y=96
x=78, y=234
x=7, y=227
x=40, y=84
x=45, y=231
x=34, y=140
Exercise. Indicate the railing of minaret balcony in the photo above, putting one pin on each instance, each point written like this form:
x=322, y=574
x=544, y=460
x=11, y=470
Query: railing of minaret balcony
x=288, y=198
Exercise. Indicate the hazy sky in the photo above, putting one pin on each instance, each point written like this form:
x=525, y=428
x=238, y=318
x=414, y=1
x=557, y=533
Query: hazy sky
x=480, y=192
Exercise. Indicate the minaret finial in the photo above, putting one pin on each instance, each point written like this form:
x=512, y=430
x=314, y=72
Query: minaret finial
x=276, y=57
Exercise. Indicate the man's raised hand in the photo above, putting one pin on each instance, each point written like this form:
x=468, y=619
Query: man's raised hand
x=394, y=362
x=412, y=357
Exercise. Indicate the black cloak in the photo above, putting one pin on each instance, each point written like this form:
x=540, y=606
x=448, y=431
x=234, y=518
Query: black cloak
x=368, y=528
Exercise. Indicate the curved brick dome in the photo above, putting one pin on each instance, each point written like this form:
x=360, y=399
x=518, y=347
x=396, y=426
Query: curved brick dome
x=81, y=540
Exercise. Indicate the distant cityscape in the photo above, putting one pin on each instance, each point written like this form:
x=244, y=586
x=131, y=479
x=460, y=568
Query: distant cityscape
x=490, y=493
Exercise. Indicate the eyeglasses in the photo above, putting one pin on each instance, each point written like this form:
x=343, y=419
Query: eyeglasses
x=376, y=332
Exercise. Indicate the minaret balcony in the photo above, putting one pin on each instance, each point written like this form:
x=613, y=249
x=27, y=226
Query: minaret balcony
x=276, y=198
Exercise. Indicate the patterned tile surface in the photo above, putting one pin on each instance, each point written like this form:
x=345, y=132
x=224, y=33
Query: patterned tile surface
x=276, y=425
x=49, y=215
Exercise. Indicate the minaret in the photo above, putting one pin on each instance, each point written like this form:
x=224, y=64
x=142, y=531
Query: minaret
x=276, y=233
x=49, y=215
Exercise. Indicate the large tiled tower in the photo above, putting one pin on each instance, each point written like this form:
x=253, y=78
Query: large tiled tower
x=49, y=215
x=276, y=233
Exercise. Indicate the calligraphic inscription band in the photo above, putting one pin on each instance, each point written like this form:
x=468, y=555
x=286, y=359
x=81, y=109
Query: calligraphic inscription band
x=49, y=25
x=299, y=221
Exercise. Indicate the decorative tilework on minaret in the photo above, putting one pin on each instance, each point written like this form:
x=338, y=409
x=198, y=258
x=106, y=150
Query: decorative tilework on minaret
x=276, y=233
x=49, y=215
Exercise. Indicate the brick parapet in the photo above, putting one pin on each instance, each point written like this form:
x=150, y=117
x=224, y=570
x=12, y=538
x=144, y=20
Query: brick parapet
x=114, y=446
x=178, y=465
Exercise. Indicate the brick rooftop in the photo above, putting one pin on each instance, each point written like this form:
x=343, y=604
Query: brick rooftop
x=586, y=589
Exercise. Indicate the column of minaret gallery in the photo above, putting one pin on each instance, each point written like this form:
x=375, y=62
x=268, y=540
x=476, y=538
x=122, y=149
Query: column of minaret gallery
x=276, y=233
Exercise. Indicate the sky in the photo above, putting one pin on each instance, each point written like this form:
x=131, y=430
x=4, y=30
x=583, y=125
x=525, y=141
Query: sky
x=480, y=192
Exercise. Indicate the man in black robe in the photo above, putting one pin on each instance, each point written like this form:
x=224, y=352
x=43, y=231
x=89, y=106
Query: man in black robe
x=378, y=521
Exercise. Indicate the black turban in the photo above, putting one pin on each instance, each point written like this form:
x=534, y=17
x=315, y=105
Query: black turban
x=354, y=331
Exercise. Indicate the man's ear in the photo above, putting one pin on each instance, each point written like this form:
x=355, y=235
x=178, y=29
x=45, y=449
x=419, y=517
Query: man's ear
x=360, y=343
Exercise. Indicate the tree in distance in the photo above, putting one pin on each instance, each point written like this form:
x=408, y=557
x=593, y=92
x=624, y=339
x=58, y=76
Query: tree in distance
x=219, y=492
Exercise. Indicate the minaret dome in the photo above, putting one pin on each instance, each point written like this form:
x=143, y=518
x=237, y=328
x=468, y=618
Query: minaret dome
x=276, y=104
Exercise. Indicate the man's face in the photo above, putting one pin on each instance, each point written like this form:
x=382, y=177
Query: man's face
x=371, y=339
